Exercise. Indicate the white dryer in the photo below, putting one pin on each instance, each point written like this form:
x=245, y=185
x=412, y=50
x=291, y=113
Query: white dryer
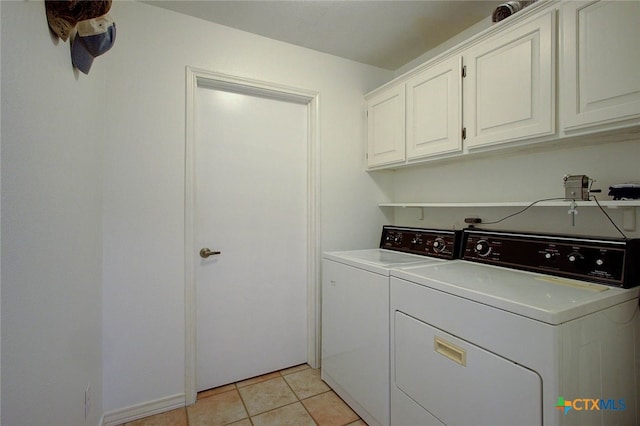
x=476, y=342
x=355, y=313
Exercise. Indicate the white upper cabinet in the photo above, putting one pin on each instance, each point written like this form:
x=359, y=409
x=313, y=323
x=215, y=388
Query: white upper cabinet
x=514, y=85
x=434, y=110
x=386, y=127
x=509, y=89
x=600, y=64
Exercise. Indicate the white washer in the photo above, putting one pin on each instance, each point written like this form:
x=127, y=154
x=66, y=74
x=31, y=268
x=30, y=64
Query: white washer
x=355, y=314
x=478, y=344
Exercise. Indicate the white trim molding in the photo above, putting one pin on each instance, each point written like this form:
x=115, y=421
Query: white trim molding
x=196, y=78
x=145, y=409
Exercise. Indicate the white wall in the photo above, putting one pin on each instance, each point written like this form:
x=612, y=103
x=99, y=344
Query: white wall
x=52, y=133
x=143, y=297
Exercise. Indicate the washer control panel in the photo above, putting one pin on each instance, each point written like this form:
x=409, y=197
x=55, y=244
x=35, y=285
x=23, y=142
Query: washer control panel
x=607, y=261
x=427, y=242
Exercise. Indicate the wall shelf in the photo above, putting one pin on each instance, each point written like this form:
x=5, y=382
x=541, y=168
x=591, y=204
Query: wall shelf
x=555, y=203
x=628, y=207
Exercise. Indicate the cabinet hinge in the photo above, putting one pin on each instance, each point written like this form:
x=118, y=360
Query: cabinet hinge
x=464, y=71
x=464, y=133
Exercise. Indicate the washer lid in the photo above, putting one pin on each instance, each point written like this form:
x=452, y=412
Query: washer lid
x=379, y=260
x=538, y=296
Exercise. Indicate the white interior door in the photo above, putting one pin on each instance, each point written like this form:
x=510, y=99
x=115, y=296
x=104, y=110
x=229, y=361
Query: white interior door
x=251, y=206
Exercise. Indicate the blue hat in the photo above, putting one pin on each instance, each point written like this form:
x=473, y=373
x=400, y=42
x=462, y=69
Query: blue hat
x=94, y=37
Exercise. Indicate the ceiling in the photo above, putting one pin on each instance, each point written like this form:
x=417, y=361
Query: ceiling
x=386, y=34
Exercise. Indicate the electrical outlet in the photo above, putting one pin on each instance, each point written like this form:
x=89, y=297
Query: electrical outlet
x=87, y=400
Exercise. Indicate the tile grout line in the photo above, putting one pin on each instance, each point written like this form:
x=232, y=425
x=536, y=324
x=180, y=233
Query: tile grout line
x=282, y=376
x=330, y=390
x=300, y=400
x=243, y=403
x=249, y=416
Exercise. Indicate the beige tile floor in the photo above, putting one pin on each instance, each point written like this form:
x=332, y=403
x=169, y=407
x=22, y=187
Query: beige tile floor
x=292, y=397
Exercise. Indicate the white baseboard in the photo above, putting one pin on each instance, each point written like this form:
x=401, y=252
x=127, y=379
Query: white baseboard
x=135, y=412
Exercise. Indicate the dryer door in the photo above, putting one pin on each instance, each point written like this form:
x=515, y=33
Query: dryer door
x=460, y=383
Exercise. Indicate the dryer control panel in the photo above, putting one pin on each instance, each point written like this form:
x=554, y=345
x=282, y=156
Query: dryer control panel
x=427, y=242
x=606, y=261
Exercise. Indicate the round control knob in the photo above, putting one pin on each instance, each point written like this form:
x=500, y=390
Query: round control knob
x=482, y=248
x=547, y=255
x=439, y=245
x=599, y=262
x=574, y=257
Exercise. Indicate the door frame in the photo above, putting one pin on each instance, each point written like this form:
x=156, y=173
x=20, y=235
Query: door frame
x=195, y=79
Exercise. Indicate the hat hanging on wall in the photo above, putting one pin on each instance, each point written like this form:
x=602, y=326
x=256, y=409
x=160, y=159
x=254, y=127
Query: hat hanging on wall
x=94, y=37
x=64, y=15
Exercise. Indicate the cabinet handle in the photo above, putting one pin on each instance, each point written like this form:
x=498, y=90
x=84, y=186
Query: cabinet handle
x=451, y=351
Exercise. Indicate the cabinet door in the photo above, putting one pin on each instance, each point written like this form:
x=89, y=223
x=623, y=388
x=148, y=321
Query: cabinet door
x=509, y=89
x=601, y=59
x=434, y=110
x=386, y=127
